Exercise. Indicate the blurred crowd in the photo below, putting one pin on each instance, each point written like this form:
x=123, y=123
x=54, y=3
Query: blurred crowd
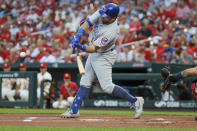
x=43, y=29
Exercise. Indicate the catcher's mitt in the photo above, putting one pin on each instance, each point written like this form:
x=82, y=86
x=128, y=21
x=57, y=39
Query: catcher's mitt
x=165, y=73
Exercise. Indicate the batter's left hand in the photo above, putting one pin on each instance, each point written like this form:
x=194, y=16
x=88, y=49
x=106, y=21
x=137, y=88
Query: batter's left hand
x=74, y=45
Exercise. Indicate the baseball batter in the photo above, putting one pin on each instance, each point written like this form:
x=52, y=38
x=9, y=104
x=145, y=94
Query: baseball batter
x=102, y=57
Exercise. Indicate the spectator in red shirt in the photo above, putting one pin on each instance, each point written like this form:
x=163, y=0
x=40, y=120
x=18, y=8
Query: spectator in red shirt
x=171, y=13
x=142, y=54
x=3, y=19
x=134, y=25
x=39, y=52
x=145, y=52
x=67, y=93
x=191, y=4
x=159, y=51
x=3, y=52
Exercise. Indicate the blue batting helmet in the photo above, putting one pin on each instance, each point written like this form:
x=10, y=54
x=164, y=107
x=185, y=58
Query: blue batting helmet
x=109, y=10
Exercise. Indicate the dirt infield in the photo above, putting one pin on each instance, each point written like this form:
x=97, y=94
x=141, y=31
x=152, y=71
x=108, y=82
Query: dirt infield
x=104, y=121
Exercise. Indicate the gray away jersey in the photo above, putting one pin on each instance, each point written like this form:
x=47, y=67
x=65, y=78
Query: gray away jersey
x=103, y=35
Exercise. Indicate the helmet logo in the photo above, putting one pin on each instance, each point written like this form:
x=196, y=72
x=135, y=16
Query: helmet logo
x=104, y=9
x=110, y=8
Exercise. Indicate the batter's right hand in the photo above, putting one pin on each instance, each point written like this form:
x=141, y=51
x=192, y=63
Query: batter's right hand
x=79, y=46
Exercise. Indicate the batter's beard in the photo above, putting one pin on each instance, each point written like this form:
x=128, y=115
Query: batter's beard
x=105, y=23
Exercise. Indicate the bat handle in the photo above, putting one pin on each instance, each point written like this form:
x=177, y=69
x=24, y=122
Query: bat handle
x=79, y=63
x=77, y=51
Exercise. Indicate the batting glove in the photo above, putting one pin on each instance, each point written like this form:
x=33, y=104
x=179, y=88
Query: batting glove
x=77, y=45
x=74, y=44
x=76, y=38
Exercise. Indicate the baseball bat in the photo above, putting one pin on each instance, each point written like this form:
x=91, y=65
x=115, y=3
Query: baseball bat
x=40, y=32
x=124, y=45
x=79, y=63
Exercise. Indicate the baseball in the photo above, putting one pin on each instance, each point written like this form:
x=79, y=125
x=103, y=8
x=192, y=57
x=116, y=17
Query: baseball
x=22, y=54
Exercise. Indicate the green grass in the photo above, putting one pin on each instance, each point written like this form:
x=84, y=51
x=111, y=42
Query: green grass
x=101, y=112
x=14, y=128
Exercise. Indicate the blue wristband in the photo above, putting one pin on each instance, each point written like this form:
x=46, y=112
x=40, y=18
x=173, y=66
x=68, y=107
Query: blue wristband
x=88, y=21
x=80, y=32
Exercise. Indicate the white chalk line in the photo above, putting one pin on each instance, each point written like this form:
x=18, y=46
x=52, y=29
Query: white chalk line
x=163, y=122
x=93, y=120
x=9, y=120
x=29, y=119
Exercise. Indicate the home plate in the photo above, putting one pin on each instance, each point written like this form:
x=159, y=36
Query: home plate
x=89, y=120
x=159, y=119
x=27, y=120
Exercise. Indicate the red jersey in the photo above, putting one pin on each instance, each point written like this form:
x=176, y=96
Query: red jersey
x=159, y=52
x=72, y=87
x=147, y=54
x=4, y=54
x=38, y=57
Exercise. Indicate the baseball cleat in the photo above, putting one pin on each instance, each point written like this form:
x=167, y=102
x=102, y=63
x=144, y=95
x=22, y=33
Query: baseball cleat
x=70, y=114
x=139, y=107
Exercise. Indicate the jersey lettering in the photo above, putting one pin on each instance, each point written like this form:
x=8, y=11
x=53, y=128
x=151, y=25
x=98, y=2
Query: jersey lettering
x=96, y=31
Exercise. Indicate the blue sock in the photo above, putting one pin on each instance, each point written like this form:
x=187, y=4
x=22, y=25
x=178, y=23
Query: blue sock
x=178, y=76
x=80, y=96
x=122, y=93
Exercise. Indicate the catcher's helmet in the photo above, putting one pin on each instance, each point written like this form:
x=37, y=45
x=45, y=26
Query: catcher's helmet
x=109, y=10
